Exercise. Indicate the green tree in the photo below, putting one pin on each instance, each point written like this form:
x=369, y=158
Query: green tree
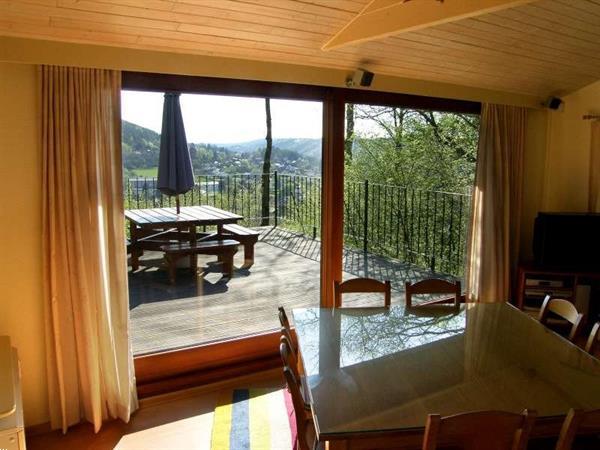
x=349, y=140
x=266, y=168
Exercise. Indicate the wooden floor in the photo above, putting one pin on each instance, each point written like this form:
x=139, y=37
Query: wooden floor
x=181, y=421
x=178, y=421
x=209, y=307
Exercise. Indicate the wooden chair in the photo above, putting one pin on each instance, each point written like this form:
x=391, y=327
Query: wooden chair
x=362, y=285
x=294, y=358
x=577, y=422
x=489, y=430
x=286, y=328
x=564, y=309
x=283, y=318
x=592, y=344
x=293, y=363
x=306, y=433
x=433, y=286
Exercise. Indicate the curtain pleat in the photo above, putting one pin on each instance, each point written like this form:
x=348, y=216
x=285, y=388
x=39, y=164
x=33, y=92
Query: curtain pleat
x=89, y=359
x=493, y=242
x=594, y=186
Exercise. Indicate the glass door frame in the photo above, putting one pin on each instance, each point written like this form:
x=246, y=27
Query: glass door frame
x=206, y=363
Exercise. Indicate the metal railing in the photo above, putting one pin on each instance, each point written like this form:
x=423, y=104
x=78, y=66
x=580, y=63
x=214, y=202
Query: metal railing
x=425, y=228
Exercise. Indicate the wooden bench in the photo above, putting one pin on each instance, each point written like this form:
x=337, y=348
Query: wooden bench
x=224, y=249
x=247, y=237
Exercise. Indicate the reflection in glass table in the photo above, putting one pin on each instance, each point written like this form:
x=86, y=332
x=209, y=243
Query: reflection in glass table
x=385, y=369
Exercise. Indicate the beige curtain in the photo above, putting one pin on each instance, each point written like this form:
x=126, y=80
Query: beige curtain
x=594, y=189
x=89, y=360
x=495, y=218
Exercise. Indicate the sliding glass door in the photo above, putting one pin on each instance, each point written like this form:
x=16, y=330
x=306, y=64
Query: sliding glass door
x=407, y=193
x=258, y=159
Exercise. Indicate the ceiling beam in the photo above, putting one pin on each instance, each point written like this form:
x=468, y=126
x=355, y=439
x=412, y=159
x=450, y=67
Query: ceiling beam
x=382, y=18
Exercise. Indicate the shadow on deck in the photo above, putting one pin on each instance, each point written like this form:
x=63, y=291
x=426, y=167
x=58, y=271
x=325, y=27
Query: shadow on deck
x=207, y=307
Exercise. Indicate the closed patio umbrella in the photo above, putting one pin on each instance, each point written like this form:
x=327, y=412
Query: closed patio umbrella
x=175, y=172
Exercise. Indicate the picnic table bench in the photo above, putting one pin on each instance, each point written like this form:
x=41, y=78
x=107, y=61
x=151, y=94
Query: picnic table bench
x=247, y=237
x=224, y=249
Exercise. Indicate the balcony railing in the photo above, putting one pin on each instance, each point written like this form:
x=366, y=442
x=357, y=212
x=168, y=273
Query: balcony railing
x=425, y=228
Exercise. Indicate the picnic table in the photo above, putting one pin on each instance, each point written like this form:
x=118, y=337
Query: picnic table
x=151, y=228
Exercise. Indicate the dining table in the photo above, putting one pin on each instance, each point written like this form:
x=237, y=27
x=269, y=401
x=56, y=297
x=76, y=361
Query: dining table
x=150, y=227
x=374, y=374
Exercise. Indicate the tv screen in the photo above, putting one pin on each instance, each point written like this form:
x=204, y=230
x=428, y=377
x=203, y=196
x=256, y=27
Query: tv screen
x=567, y=241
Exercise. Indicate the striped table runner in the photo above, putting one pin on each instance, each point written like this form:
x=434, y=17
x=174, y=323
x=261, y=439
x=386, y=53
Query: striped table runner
x=254, y=419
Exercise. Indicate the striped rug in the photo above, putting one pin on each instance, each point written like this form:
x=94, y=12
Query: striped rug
x=254, y=419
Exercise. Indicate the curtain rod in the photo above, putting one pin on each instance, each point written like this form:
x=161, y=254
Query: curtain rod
x=591, y=117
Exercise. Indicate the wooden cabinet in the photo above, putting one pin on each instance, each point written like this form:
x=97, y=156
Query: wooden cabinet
x=534, y=283
x=12, y=435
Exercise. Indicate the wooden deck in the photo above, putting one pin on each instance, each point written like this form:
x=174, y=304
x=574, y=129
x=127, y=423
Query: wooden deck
x=210, y=308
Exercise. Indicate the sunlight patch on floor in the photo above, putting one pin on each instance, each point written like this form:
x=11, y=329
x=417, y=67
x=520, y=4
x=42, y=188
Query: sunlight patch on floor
x=191, y=433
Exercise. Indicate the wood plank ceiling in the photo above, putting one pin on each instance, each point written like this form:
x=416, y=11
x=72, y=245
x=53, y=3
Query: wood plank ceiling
x=539, y=48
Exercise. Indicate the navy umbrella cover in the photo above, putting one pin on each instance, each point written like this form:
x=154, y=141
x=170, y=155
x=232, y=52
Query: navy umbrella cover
x=175, y=171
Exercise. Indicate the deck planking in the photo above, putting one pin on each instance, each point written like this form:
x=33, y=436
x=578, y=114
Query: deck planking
x=208, y=308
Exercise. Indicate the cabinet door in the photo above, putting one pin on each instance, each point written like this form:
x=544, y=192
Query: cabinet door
x=9, y=441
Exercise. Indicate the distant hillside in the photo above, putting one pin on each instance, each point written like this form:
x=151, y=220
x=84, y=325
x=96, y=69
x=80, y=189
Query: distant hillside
x=136, y=138
x=302, y=146
x=141, y=148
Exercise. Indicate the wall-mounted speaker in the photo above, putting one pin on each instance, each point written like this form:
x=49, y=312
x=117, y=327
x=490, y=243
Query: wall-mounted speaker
x=553, y=103
x=360, y=77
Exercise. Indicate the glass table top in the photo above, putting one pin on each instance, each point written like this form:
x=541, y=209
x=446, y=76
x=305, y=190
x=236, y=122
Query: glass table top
x=376, y=369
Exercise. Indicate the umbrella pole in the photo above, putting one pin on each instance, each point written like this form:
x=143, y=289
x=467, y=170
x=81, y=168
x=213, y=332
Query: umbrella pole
x=177, y=202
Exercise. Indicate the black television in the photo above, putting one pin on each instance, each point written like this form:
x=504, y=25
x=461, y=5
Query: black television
x=569, y=241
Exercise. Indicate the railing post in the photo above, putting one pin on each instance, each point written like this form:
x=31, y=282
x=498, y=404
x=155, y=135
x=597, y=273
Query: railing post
x=366, y=218
x=276, y=198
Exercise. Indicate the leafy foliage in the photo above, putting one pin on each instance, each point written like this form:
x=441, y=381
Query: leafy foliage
x=414, y=149
x=408, y=178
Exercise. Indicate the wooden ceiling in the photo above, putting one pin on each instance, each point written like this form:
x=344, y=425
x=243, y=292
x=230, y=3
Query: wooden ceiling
x=539, y=48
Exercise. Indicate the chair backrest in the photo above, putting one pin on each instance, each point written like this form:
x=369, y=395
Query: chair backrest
x=283, y=318
x=564, y=309
x=286, y=329
x=433, y=286
x=592, y=344
x=291, y=357
x=362, y=285
x=489, y=430
x=293, y=384
x=577, y=422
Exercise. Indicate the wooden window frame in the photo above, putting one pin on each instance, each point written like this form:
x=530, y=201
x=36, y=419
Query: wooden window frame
x=206, y=363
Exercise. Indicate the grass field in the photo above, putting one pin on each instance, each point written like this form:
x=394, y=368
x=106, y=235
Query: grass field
x=149, y=172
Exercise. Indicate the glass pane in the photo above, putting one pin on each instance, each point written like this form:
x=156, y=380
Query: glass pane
x=270, y=204
x=366, y=368
x=408, y=179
